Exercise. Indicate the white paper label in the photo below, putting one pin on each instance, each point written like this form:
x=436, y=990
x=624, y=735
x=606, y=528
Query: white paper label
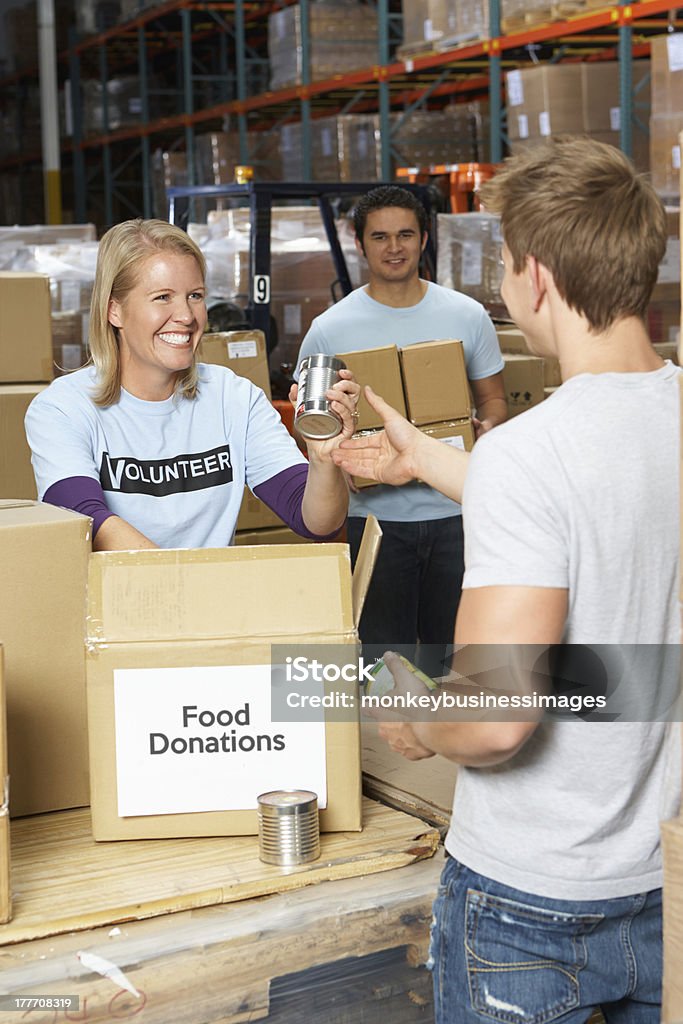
x=615, y=118
x=471, y=263
x=670, y=267
x=429, y=32
x=292, y=318
x=410, y=66
x=72, y=357
x=676, y=157
x=515, y=89
x=674, y=45
x=454, y=442
x=70, y=294
x=544, y=123
x=523, y=126
x=201, y=739
x=326, y=141
x=242, y=349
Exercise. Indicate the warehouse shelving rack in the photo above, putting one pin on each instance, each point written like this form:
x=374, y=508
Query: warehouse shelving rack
x=223, y=42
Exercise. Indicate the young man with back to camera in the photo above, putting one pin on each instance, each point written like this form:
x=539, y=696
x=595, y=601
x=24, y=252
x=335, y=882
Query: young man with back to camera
x=415, y=588
x=550, y=902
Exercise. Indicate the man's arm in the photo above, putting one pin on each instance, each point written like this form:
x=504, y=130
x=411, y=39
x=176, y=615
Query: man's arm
x=490, y=402
x=494, y=617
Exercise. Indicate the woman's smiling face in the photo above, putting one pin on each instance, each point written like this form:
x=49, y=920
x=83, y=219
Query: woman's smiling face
x=160, y=323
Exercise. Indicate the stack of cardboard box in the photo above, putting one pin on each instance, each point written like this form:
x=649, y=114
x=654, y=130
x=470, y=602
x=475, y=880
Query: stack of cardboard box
x=342, y=38
x=575, y=99
x=469, y=257
x=25, y=370
x=426, y=382
x=672, y=849
x=666, y=121
x=664, y=312
x=440, y=24
x=528, y=379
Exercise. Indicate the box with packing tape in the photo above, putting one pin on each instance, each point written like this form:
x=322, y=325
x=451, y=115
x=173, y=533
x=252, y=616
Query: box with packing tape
x=381, y=369
x=524, y=380
x=5, y=889
x=180, y=681
x=25, y=328
x=16, y=472
x=435, y=382
x=243, y=352
x=44, y=554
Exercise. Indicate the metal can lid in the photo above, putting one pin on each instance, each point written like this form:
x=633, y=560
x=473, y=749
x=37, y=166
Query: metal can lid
x=287, y=801
x=318, y=425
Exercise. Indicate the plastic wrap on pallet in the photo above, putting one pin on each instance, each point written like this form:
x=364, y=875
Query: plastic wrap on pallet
x=124, y=103
x=423, y=138
x=302, y=270
x=470, y=260
x=343, y=148
x=96, y=15
x=519, y=14
x=470, y=131
x=169, y=170
x=342, y=35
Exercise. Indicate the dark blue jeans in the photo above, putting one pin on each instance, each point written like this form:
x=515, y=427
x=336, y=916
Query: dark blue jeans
x=499, y=954
x=415, y=589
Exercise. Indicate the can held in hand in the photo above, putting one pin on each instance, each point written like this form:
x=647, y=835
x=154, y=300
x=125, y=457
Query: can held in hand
x=313, y=417
x=289, y=832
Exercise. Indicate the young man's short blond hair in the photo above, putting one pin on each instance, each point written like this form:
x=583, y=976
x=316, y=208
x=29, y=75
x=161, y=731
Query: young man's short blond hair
x=121, y=252
x=579, y=207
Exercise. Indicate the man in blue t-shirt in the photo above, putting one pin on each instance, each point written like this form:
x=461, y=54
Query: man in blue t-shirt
x=415, y=588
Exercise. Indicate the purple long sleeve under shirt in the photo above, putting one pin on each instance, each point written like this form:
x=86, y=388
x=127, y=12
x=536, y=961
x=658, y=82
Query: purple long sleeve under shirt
x=282, y=493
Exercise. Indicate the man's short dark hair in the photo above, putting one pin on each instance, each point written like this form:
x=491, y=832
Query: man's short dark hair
x=387, y=195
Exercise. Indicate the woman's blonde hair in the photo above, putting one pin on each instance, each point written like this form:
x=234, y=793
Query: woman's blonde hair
x=121, y=251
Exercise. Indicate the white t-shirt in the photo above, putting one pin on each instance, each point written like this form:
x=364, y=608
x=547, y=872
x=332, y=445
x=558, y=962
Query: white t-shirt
x=360, y=322
x=582, y=493
x=176, y=469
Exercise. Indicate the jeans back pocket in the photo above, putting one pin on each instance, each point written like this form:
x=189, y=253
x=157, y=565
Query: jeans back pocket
x=523, y=961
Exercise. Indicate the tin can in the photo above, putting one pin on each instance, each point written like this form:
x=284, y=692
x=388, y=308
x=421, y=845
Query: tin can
x=289, y=832
x=313, y=417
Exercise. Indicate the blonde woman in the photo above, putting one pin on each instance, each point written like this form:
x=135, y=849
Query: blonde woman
x=155, y=446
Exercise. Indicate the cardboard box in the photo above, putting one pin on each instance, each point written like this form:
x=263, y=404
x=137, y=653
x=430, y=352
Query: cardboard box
x=667, y=350
x=523, y=377
x=672, y=853
x=5, y=890
x=165, y=624
x=25, y=329
x=381, y=369
x=16, y=472
x=44, y=556
x=458, y=434
x=512, y=340
x=667, y=73
x=435, y=382
x=665, y=153
x=255, y=515
x=552, y=372
x=243, y=352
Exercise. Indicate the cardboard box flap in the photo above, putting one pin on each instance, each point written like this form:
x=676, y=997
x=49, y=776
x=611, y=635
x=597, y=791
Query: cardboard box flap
x=240, y=592
x=365, y=564
x=23, y=512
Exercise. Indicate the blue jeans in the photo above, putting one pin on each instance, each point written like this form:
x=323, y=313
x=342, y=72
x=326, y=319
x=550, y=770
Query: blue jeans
x=414, y=591
x=498, y=954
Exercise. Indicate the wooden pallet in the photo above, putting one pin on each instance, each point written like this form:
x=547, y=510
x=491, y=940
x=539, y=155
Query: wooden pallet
x=221, y=964
x=63, y=881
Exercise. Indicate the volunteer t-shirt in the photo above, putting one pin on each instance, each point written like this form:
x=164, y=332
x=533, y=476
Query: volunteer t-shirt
x=175, y=469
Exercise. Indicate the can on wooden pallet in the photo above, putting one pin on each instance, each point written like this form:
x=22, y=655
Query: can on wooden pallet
x=289, y=832
x=314, y=419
